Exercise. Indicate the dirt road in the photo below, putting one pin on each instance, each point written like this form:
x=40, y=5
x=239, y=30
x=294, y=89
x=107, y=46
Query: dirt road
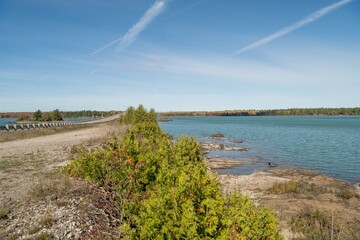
x=23, y=161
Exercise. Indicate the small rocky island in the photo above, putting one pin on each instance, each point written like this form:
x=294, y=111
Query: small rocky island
x=220, y=144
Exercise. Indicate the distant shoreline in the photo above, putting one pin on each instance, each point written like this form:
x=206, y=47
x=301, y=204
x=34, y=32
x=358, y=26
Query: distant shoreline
x=275, y=112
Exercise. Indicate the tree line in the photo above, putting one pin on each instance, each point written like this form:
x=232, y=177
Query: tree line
x=49, y=116
x=39, y=116
x=274, y=112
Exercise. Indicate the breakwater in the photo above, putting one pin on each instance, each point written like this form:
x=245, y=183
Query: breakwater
x=30, y=126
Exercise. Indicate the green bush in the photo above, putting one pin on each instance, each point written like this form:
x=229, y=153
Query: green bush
x=138, y=115
x=164, y=190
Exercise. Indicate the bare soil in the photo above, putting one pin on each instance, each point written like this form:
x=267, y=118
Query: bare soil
x=33, y=191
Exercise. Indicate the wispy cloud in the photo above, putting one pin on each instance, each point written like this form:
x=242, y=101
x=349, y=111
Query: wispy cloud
x=150, y=24
x=307, y=20
x=144, y=21
x=179, y=12
x=43, y=78
x=140, y=26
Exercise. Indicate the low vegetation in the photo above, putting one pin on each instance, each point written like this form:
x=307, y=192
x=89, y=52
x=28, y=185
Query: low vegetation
x=314, y=224
x=346, y=194
x=54, y=183
x=284, y=187
x=296, y=187
x=4, y=211
x=274, y=112
x=322, y=225
x=163, y=190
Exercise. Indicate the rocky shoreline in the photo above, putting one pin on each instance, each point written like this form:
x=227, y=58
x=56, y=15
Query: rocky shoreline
x=296, y=195
x=82, y=211
x=314, y=198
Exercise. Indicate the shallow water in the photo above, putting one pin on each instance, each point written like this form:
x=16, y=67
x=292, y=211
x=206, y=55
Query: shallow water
x=330, y=145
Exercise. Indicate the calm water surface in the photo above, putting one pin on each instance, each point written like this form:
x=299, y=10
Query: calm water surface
x=4, y=121
x=330, y=145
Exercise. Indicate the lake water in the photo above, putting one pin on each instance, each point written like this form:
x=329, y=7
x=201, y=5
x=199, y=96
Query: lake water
x=4, y=121
x=330, y=145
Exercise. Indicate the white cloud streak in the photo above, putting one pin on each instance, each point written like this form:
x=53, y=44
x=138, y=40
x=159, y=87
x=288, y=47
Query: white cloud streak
x=140, y=26
x=307, y=20
x=144, y=21
x=43, y=78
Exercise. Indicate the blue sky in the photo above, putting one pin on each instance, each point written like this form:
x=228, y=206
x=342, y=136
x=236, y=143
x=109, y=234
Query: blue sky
x=179, y=54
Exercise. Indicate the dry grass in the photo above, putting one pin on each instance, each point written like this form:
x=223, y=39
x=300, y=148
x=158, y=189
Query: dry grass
x=346, y=194
x=5, y=165
x=43, y=236
x=322, y=225
x=34, y=229
x=284, y=187
x=46, y=221
x=52, y=184
x=11, y=237
x=294, y=187
x=4, y=212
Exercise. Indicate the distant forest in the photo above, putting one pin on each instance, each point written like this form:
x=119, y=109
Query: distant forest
x=275, y=112
x=64, y=114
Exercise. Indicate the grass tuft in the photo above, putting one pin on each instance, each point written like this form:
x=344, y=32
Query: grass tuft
x=346, y=194
x=284, y=187
x=34, y=229
x=53, y=184
x=46, y=221
x=300, y=187
x=43, y=236
x=4, y=212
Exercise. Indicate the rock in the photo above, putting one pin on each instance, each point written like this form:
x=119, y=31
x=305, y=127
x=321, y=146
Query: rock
x=218, y=136
x=235, y=140
x=223, y=164
x=271, y=164
x=164, y=120
x=206, y=147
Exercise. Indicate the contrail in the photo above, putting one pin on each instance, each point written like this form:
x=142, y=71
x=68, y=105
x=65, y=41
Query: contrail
x=178, y=12
x=307, y=20
x=106, y=46
x=144, y=21
x=43, y=78
x=140, y=26
x=150, y=25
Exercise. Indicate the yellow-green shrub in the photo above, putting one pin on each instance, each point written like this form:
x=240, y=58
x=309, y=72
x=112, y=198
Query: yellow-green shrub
x=164, y=189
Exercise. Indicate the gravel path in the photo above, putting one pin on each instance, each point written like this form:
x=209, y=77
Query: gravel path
x=23, y=161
